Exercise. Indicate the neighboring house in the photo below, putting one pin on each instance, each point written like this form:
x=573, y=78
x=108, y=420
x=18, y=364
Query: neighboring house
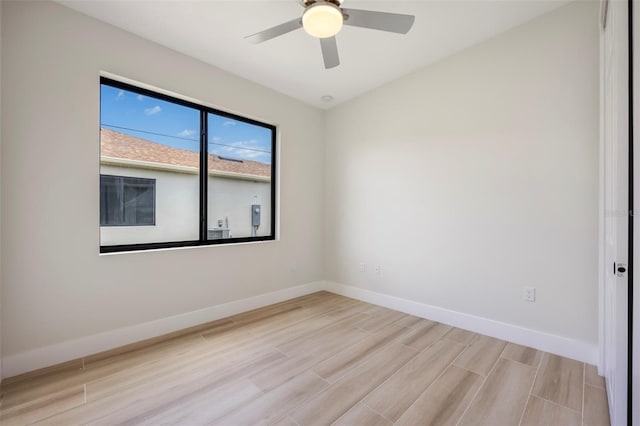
x=164, y=206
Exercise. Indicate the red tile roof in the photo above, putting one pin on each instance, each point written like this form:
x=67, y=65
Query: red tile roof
x=120, y=145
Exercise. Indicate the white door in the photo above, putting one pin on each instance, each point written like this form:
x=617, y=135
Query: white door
x=636, y=217
x=615, y=233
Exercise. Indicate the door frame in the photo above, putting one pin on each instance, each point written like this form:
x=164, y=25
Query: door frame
x=633, y=395
x=632, y=413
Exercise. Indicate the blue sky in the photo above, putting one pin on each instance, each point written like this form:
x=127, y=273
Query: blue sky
x=178, y=126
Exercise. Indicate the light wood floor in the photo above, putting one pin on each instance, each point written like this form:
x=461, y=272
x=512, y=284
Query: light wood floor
x=319, y=359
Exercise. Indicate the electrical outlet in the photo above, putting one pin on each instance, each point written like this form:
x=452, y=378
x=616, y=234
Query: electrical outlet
x=377, y=269
x=529, y=294
x=362, y=267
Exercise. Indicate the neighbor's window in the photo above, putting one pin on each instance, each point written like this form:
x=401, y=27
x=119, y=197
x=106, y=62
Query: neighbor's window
x=174, y=173
x=127, y=201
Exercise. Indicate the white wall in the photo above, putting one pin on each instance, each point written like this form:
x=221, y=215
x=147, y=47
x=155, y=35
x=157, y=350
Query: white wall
x=56, y=286
x=475, y=177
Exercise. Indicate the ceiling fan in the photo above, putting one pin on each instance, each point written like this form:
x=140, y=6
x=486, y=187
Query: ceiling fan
x=323, y=19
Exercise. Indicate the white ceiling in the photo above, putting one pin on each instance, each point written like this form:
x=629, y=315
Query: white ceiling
x=214, y=31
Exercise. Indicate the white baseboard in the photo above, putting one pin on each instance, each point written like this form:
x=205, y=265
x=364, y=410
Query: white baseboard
x=77, y=348
x=558, y=345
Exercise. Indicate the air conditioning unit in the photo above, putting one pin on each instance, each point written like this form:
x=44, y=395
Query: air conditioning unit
x=217, y=233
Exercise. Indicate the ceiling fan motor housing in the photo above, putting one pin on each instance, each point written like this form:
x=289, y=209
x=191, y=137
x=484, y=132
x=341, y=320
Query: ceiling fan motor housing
x=323, y=19
x=310, y=2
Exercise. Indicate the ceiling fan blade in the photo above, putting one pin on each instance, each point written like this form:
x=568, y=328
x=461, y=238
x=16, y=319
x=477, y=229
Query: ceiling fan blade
x=383, y=21
x=330, y=52
x=276, y=31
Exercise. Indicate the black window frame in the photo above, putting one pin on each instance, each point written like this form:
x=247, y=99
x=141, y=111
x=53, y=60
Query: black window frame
x=203, y=173
x=123, y=180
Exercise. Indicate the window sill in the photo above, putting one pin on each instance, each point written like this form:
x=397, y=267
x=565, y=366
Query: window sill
x=185, y=247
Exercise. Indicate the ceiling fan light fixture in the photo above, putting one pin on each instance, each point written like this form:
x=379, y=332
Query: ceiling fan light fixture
x=322, y=19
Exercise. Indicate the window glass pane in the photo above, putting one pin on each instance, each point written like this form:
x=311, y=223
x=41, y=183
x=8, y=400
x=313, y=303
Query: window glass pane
x=110, y=200
x=239, y=182
x=139, y=201
x=149, y=166
x=126, y=201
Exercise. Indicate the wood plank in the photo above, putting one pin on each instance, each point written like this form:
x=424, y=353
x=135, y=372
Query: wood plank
x=560, y=380
x=409, y=321
x=522, y=354
x=161, y=390
x=285, y=421
x=362, y=415
x=346, y=392
x=275, y=404
x=166, y=370
x=380, y=318
x=287, y=338
x=284, y=370
x=170, y=354
x=262, y=314
x=208, y=406
x=326, y=339
x=596, y=408
x=481, y=355
x=444, y=402
x=502, y=398
x=27, y=395
x=337, y=366
x=424, y=335
x=223, y=326
x=155, y=345
x=260, y=326
x=240, y=344
x=103, y=367
x=42, y=407
x=321, y=347
x=46, y=374
x=397, y=394
x=461, y=336
x=540, y=412
x=197, y=407
x=320, y=307
x=41, y=383
x=592, y=378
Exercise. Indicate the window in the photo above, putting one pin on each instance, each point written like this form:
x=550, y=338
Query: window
x=127, y=201
x=174, y=173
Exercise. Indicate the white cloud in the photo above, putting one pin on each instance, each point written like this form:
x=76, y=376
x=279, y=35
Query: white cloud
x=120, y=95
x=217, y=138
x=153, y=111
x=187, y=133
x=140, y=98
x=229, y=123
x=250, y=144
x=248, y=150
